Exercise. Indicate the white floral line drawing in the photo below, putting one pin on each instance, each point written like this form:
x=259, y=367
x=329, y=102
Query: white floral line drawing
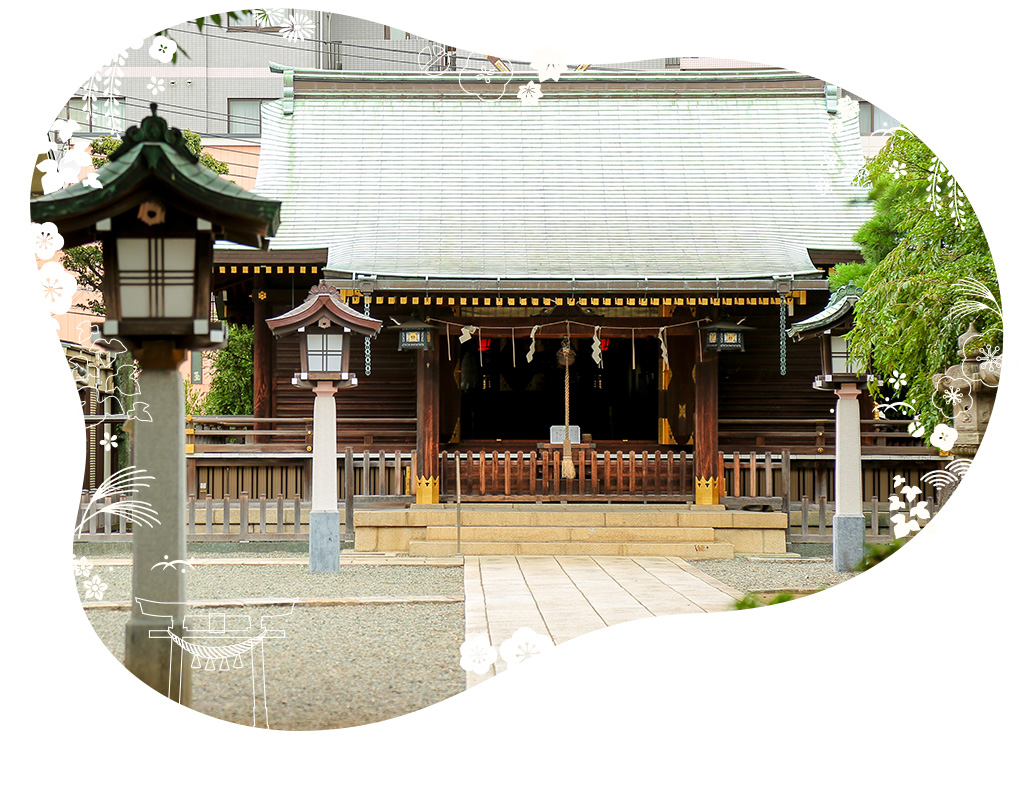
x=207, y=639
x=903, y=523
x=172, y=564
x=478, y=655
x=126, y=482
x=943, y=190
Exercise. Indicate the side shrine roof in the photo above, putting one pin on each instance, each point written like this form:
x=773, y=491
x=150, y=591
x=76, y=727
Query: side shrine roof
x=323, y=301
x=838, y=310
x=153, y=151
x=601, y=179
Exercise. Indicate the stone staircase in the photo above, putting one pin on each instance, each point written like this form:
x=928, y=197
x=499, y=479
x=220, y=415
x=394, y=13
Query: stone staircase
x=692, y=532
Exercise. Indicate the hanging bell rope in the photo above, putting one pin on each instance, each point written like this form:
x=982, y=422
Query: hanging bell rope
x=567, y=355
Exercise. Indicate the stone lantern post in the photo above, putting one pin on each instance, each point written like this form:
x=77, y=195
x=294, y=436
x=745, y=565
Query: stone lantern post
x=324, y=324
x=157, y=215
x=844, y=378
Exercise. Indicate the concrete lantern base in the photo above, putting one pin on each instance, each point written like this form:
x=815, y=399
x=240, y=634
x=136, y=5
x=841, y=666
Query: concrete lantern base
x=324, y=541
x=847, y=541
x=156, y=660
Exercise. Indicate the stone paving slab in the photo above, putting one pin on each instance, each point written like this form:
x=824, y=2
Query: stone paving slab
x=570, y=595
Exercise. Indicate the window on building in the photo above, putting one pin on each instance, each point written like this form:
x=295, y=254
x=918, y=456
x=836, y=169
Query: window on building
x=873, y=119
x=245, y=117
x=106, y=119
x=395, y=33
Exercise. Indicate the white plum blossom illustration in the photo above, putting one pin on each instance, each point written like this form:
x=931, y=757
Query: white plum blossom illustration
x=95, y=588
x=163, y=49
x=156, y=85
x=953, y=395
x=991, y=356
x=82, y=567
x=297, y=28
x=47, y=239
x=524, y=645
x=916, y=428
x=108, y=442
x=899, y=380
x=898, y=169
x=476, y=655
x=548, y=64
x=944, y=437
x=58, y=287
x=484, y=81
x=529, y=94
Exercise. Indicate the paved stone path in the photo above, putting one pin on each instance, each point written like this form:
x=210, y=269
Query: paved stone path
x=567, y=596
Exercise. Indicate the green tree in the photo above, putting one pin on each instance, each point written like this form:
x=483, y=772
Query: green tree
x=923, y=251
x=104, y=146
x=231, y=391
x=86, y=262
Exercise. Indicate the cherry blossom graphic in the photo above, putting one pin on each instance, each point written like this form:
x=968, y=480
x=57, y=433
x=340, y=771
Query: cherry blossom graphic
x=524, y=645
x=82, y=567
x=477, y=655
x=95, y=587
x=529, y=94
x=156, y=85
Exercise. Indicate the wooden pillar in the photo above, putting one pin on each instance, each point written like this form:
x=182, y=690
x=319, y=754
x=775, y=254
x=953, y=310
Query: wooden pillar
x=706, y=428
x=263, y=354
x=427, y=487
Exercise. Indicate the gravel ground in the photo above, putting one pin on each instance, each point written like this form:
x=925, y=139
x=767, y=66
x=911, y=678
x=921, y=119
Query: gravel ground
x=773, y=576
x=286, y=581
x=337, y=666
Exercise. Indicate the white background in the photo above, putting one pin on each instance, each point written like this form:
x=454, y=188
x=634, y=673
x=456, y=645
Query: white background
x=899, y=682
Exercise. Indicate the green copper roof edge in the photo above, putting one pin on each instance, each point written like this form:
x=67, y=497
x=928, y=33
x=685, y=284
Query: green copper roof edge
x=130, y=170
x=588, y=76
x=844, y=296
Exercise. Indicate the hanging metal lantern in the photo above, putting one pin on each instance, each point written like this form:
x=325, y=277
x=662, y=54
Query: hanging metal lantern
x=724, y=336
x=414, y=335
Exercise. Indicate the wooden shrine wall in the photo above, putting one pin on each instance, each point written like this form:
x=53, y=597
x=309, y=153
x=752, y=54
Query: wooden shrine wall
x=380, y=411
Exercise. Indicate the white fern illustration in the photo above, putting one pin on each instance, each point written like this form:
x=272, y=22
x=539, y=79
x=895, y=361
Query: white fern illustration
x=126, y=482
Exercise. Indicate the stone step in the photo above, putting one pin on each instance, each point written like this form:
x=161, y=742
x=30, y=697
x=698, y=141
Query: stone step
x=580, y=534
x=687, y=551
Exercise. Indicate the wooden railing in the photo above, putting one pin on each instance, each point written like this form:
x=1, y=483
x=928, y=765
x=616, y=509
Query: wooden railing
x=815, y=436
x=538, y=476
